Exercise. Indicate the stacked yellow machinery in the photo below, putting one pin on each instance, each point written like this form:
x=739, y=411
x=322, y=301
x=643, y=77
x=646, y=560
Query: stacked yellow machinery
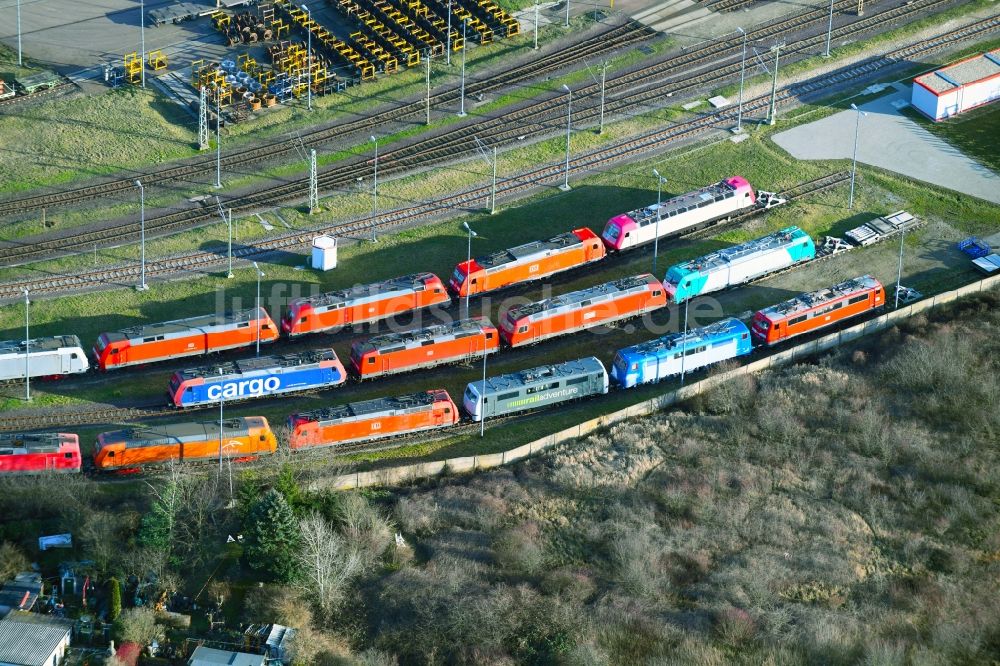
x=388, y=46
x=510, y=23
x=395, y=14
x=460, y=14
x=349, y=54
x=133, y=67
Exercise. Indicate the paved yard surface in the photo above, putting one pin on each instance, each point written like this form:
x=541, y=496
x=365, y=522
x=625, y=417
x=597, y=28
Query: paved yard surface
x=891, y=141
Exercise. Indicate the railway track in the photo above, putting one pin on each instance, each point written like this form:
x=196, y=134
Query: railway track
x=48, y=92
x=722, y=6
x=508, y=187
x=609, y=40
x=641, y=87
x=104, y=414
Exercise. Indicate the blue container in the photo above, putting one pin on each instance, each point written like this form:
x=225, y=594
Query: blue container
x=256, y=378
x=664, y=357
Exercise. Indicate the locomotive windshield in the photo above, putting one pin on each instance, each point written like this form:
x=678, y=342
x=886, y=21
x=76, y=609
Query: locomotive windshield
x=611, y=232
x=459, y=275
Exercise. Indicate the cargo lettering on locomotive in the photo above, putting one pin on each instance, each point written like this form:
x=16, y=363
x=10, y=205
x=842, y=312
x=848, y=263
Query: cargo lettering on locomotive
x=247, y=387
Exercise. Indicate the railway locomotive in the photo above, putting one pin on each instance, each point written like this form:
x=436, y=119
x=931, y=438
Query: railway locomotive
x=194, y=336
x=664, y=357
x=362, y=304
x=390, y=354
x=738, y=264
x=47, y=357
x=256, y=377
x=817, y=309
x=372, y=420
x=543, y=386
x=679, y=214
x=39, y=452
x=602, y=304
x=138, y=447
x=525, y=263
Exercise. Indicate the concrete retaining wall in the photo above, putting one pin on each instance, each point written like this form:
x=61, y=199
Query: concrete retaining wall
x=406, y=473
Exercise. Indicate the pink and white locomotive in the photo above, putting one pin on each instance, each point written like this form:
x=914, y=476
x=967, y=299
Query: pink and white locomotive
x=682, y=213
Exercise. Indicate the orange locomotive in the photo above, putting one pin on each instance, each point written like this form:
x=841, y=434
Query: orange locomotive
x=372, y=419
x=531, y=261
x=363, y=303
x=818, y=309
x=194, y=336
x=424, y=348
x=135, y=448
x=602, y=304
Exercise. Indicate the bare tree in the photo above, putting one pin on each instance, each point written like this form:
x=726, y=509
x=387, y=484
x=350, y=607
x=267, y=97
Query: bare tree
x=327, y=561
x=12, y=561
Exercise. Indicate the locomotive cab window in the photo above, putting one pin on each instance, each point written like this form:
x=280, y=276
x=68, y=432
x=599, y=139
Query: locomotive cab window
x=854, y=300
x=522, y=329
x=577, y=380
x=302, y=320
x=263, y=438
x=68, y=456
x=244, y=324
x=371, y=360
x=656, y=293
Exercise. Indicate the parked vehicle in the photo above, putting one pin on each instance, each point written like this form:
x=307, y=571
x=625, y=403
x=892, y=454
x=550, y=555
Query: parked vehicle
x=668, y=356
x=679, y=214
x=602, y=304
x=817, y=309
x=194, y=336
x=528, y=262
x=738, y=264
x=393, y=353
x=543, y=386
x=39, y=452
x=142, y=446
x=363, y=304
x=256, y=377
x=372, y=420
x=46, y=357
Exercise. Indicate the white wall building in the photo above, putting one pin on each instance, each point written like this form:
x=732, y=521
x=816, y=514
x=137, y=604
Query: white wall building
x=30, y=639
x=958, y=87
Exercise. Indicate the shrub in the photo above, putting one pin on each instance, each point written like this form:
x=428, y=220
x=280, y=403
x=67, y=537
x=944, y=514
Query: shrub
x=114, y=599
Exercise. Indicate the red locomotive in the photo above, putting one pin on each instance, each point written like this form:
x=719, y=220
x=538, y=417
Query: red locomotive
x=363, y=303
x=194, y=336
x=531, y=261
x=818, y=309
x=372, y=419
x=424, y=348
x=602, y=304
x=37, y=452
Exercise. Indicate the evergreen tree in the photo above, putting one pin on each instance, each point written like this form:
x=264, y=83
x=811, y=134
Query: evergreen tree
x=114, y=600
x=271, y=537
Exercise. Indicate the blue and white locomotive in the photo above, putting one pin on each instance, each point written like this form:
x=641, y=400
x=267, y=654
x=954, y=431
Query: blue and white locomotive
x=658, y=359
x=738, y=264
x=257, y=377
x=538, y=387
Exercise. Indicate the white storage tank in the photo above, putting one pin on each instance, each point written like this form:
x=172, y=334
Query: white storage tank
x=324, y=253
x=958, y=87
